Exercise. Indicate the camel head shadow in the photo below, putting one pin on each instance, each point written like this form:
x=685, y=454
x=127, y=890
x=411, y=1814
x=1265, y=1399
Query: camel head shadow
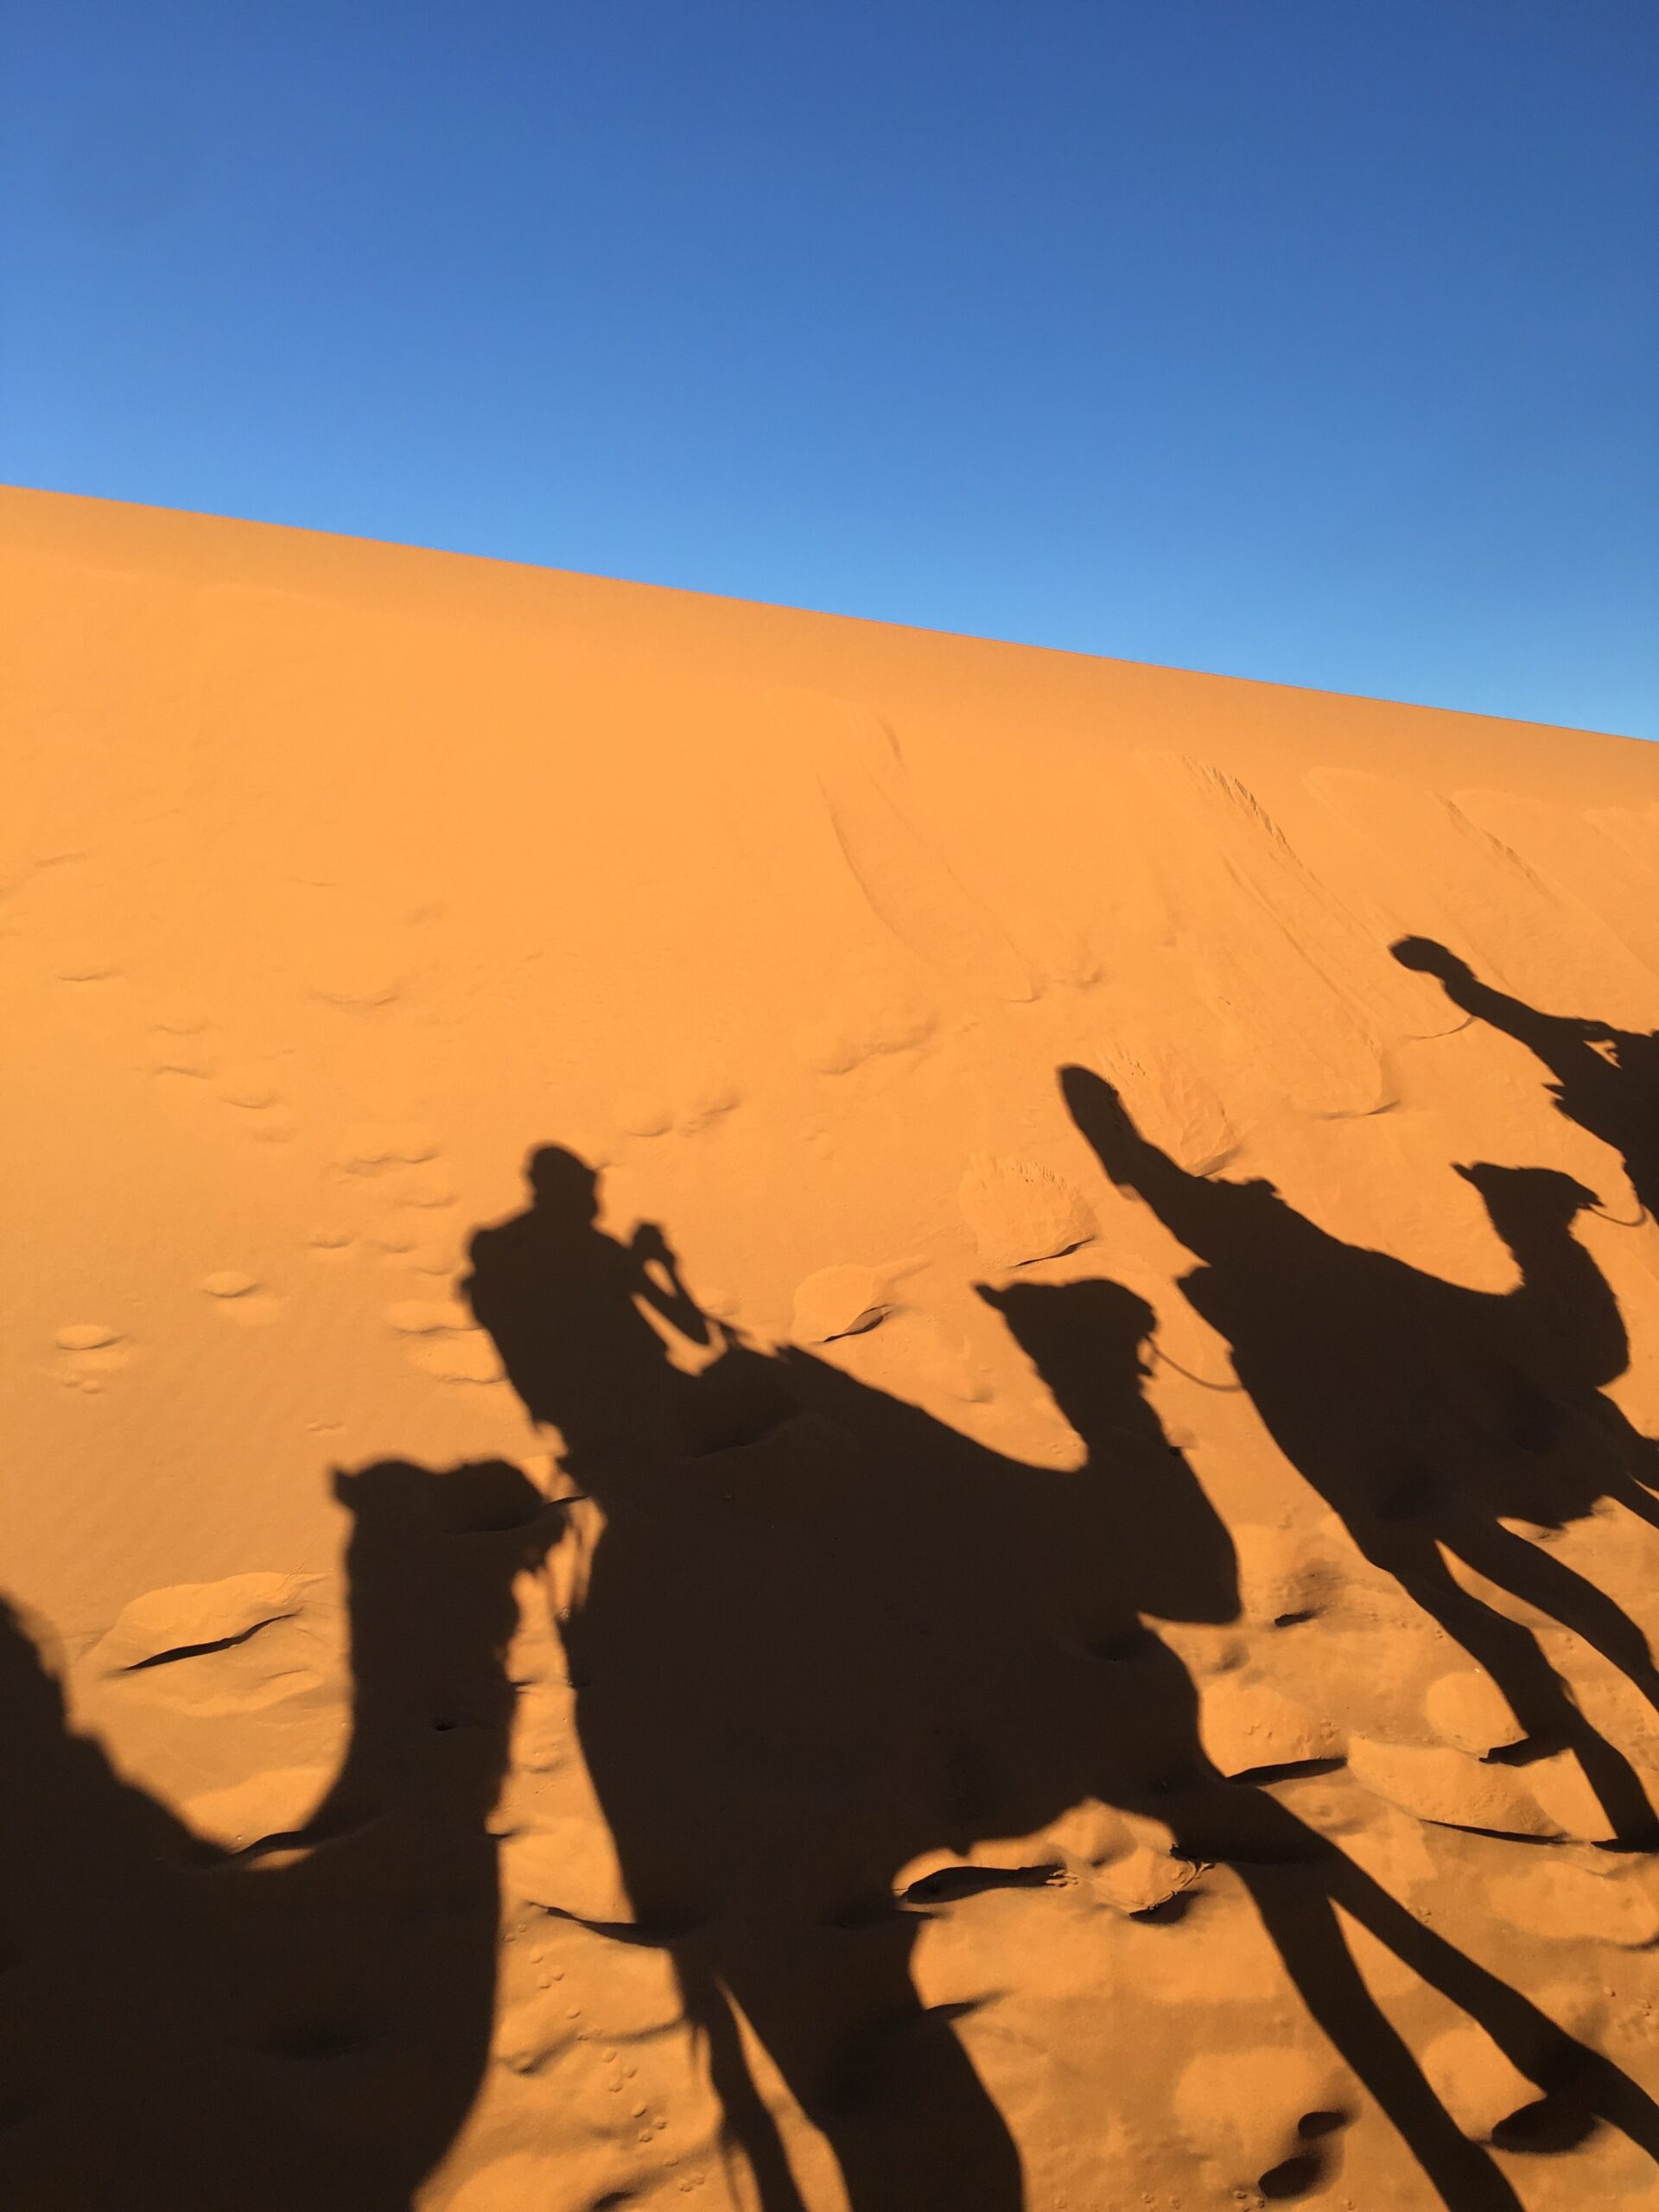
x=1525, y=1203
x=1143, y=1516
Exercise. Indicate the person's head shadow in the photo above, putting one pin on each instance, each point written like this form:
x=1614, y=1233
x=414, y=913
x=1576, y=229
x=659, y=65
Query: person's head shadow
x=563, y=1188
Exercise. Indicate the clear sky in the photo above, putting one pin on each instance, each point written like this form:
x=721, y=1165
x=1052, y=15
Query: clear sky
x=1309, y=340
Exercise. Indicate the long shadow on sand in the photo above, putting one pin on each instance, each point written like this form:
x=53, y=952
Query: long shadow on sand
x=1605, y=1080
x=187, y=2030
x=823, y=1633
x=1427, y=1415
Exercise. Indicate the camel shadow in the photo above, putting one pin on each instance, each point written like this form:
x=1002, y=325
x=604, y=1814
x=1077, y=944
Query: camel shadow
x=1426, y=1415
x=1604, y=1079
x=183, y=2028
x=824, y=1635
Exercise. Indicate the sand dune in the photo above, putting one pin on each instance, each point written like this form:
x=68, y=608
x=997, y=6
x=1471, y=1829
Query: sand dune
x=807, y=1414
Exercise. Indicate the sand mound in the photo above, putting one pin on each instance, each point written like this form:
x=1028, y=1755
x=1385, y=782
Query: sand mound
x=1075, y=1246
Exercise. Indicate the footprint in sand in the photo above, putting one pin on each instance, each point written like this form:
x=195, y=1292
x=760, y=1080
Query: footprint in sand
x=1600, y=1900
x=1284, y=1576
x=1246, y=1723
x=369, y=1148
x=841, y=1301
x=1020, y=1212
x=698, y=1094
x=399, y=1190
x=867, y=1020
x=359, y=979
x=190, y=1618
x=248, y=1083
x=84, y=963
x=705, y=1094
x=241, y=1298
x=173, y=1055
x=87, y=1336
x=88, y=1352
x=180, y=1040
x=1466, y=1709
x=897, y=1348
x=425, y=1186
x=277, y=1802
x=251, y=1087
x=183, y=1016
x=445, y=1341
x=1550, y=1799
x=643, y=1113
x=1264, y=2119
x=1481, y=2088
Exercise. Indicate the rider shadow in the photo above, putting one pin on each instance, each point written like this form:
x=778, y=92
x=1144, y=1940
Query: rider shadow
x=823, y=1635
x=1427, y=1415
x=1616, y=1099
x=306, y=2021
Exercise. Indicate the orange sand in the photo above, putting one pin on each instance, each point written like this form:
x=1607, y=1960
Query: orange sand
x=1093, y=1655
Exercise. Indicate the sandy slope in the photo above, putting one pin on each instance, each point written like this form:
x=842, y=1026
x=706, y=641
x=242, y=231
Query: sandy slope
x=1094, y=1653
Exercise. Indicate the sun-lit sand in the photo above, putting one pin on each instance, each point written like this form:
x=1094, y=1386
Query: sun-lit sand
x=807, y=1414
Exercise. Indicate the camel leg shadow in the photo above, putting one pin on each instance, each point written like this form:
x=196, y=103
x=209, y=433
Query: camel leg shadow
x=885, y=2081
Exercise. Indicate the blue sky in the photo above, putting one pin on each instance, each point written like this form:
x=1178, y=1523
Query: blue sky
x=1309, y=340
